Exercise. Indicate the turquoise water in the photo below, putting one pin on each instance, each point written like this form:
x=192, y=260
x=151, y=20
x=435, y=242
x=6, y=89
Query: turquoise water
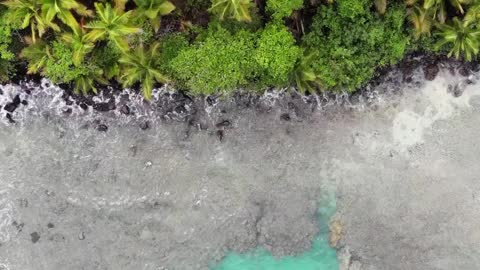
x=320, y=257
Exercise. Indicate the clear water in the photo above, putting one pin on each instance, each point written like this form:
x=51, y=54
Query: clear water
x=320, y=257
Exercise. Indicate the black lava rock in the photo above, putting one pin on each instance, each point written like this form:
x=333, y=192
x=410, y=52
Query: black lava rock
x=457, y=91
x=220, y=134
x=145, y=125
x=12, y=106
x=125, y=110
x=10, y=119
x=285, y=117
x=180, y=109
x=50, y=225
x=223, y=124
x=431, y=71
x=104, y=106
x=83, y=106
x=24, y=102
x=67, y=111
x=102, y=128
x=35, y=236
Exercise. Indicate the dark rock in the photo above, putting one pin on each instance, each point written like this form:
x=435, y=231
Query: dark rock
x=291, y=106
x=125, y=109
x=83, y=106
x=1, y=92
x=285, y=117
x=457, y=91
x=10, y=119
x=464, y=71
x=145, y=125
x=211, y=100
x=50, y=225
x=68, y=102
x=35, y=236
x=29, y=91
x=180, y=109
x=223, y=124
x=12, y=106
x=17, y=225
x=24, y=102
x=104, y=106
x=67, y=111
x=431, y=71
x=220, y=134
x=16, y=100
x=102, y=128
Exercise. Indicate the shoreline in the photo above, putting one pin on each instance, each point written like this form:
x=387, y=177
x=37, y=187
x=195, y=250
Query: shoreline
x=205, y=113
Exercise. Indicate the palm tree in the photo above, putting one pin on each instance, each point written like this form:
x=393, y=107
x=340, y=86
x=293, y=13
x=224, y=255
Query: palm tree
x=462, y=35
x=80, y=43
x=439, y=7
x=62, y=9
x=305, y=77
x=421, y=20
x=141, y=66
x=151, y=10
x=27, y=13
x=234, y=9
x=113, y=24
x=473, y=13
x=85, y=83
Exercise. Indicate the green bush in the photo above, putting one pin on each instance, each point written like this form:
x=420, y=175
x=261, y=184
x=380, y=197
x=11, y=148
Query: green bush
x=106, y=57
x=276, y=55
x=352, y=8
x=219, y=61
x=55, y=61
x=170, y=46
x=6, y=56
x=280, y=9
x=350, y=46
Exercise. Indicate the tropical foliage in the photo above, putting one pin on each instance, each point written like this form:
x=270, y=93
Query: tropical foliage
x=152, y=10
x=462, y=36
x=113, y=24
x=353, y=47
x=232, y=9
x=217, y=46
x=141, y=66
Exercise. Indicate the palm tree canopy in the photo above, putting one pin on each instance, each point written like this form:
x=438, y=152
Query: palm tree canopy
x=113, y=24
x=141, y=66
x=152, y=10
x=62, y=9
x=463, y=36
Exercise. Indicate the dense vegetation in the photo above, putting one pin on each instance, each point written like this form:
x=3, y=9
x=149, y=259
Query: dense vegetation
x=210, y=47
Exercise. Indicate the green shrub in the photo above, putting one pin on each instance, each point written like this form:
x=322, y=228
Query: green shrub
x=106, y=58
x=170, y=46
x=6, y=56
x=280, y=9
x=219, y=61
x=55, y=61
x=352, y=8
x=349, y=47
x=276, y=55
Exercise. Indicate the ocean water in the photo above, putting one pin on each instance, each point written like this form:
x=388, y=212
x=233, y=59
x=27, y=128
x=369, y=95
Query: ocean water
x=320, y=257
